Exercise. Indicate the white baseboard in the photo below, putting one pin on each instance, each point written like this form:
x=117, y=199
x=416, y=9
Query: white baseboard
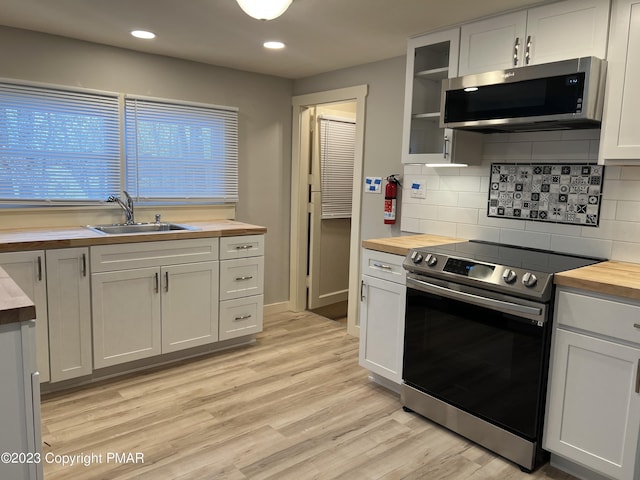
x=277, y=308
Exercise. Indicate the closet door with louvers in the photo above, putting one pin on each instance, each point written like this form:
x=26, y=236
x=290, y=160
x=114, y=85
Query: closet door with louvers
x=330, y=212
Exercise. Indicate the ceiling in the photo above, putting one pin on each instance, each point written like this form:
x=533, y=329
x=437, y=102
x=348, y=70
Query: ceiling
x=321, y=35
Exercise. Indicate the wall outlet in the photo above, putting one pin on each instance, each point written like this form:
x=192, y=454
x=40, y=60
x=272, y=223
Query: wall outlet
x=373, y=184
x=418, y=189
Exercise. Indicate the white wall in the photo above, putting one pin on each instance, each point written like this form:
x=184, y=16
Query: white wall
x=264, y=104
x=456, y=199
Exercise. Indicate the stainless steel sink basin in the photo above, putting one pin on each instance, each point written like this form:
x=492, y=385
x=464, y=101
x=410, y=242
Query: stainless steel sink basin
x=122, y=228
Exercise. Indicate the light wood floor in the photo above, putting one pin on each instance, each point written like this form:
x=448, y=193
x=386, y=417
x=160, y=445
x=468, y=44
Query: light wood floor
x=294, y=405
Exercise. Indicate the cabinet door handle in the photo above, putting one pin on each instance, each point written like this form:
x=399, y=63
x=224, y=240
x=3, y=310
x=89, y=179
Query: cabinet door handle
x=636, y=325
x=444, y=147
x=166, y=281
x=244, y=278
x=242, y=317
x=362, y=297
x=39, y=268
x=84, y=264
x=527, y=52
x=157, y=287
x=516, y=48
x=383, y=266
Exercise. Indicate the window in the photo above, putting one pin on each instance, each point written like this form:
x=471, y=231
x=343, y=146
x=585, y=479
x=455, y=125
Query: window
x=177, y=151
x=57, y=145
x=337, y=151
x=64, y=146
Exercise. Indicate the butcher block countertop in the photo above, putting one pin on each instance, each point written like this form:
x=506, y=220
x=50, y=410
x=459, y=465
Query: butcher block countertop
x=620, y=279
x=402, y=245
x=15, y=306
x=48, y=238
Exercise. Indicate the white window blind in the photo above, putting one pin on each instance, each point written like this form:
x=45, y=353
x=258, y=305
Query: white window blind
x=57, y=145
x=185, y=152
x=337, y=150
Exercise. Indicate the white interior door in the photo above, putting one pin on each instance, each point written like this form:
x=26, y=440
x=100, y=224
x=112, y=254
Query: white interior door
x=329, y=226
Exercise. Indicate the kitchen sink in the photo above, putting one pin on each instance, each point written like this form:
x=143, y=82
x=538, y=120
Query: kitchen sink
x=122, y=228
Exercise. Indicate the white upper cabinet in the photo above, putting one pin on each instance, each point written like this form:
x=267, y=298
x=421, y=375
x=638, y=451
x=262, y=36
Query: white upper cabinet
x=430, y=59
x=549, y=33
x=620, y=136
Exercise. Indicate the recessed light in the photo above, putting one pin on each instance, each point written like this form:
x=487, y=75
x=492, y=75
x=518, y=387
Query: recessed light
x=143, y=34
x=273, y=45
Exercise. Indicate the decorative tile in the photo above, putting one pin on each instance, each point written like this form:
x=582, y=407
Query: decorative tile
x=553, y=193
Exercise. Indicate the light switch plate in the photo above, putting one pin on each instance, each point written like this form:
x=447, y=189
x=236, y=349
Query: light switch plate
x=373, y=184
x=418, y=189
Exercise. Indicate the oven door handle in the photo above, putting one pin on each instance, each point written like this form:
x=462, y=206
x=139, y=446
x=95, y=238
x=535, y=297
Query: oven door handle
x=499, y=305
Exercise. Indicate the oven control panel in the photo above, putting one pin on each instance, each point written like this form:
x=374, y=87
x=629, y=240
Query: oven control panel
x=482, y=274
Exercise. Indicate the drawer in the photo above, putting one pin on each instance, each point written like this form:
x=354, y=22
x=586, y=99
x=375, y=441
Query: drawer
x=241, y=246
x=241, y=277
x=383, y=265
x=602, y=315
x=125, y=256
x=242, y=316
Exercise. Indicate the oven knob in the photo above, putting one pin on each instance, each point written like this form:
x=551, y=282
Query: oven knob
x=431, y=260
x=529, y=279
x=416, y=257
x=509, y=276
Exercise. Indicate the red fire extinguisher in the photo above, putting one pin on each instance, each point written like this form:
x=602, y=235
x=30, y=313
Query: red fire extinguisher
x=390, y=195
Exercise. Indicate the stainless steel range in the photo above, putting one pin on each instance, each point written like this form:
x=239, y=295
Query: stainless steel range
x=477, y=340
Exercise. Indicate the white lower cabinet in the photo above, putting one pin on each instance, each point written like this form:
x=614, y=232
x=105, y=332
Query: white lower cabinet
x=69, y=309
x=27, y=269
x=382, y=307
x=167, y=300
x=241, y=285
x=593, y=408
x=20, y=403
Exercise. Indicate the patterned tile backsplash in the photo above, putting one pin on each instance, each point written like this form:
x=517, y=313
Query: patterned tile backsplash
x=555, y=193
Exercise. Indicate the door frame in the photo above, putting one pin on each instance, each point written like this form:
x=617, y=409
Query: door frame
x=299, y=201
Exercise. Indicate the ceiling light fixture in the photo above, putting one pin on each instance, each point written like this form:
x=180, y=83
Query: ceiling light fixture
x=273, y=45
x=264, y=9
x=143, y=34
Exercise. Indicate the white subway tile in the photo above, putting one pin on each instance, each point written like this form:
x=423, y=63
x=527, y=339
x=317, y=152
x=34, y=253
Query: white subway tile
x=442, y=198
x=553, y=228
x=483, y=219
x=507, y=152
x=458, y=215
x=608, y=209
x=612, y=173
x=447, y=229
x=412, y=169
x=613, y=230
x=577, y=150
x=473, y=200
x=408, y=224
x=628, y=211
x=420, y=211
x=443, y=171
x=626, y=252
x=497, y=138
x=581, y=246
x=460, y=184
x=525, y=238
x=594, y=150
x=585, y=134
x=621, y=190
x=549, y=136
x=478, y=232
x=630, y=173
x=476, y=171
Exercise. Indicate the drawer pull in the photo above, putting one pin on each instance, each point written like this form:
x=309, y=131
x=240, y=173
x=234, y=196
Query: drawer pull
x=242, y=317
x=637, y=325
x=383, y=266
x=244, y=247
x=244, y=278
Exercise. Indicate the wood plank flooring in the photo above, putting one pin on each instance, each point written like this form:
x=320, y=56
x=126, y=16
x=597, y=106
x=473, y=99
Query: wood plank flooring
x=295, y=405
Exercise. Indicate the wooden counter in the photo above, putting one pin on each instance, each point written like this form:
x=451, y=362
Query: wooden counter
x=620, y=279
x=402, y=245
x=15, y=306
x=48, y=238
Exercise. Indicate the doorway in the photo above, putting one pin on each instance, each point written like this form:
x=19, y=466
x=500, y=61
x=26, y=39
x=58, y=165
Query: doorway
x=303, y=106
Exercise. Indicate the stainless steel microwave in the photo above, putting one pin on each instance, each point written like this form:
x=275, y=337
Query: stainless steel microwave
x=561, y=95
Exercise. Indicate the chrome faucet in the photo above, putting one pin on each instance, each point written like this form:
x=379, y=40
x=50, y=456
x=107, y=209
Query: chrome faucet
x=128, y=207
